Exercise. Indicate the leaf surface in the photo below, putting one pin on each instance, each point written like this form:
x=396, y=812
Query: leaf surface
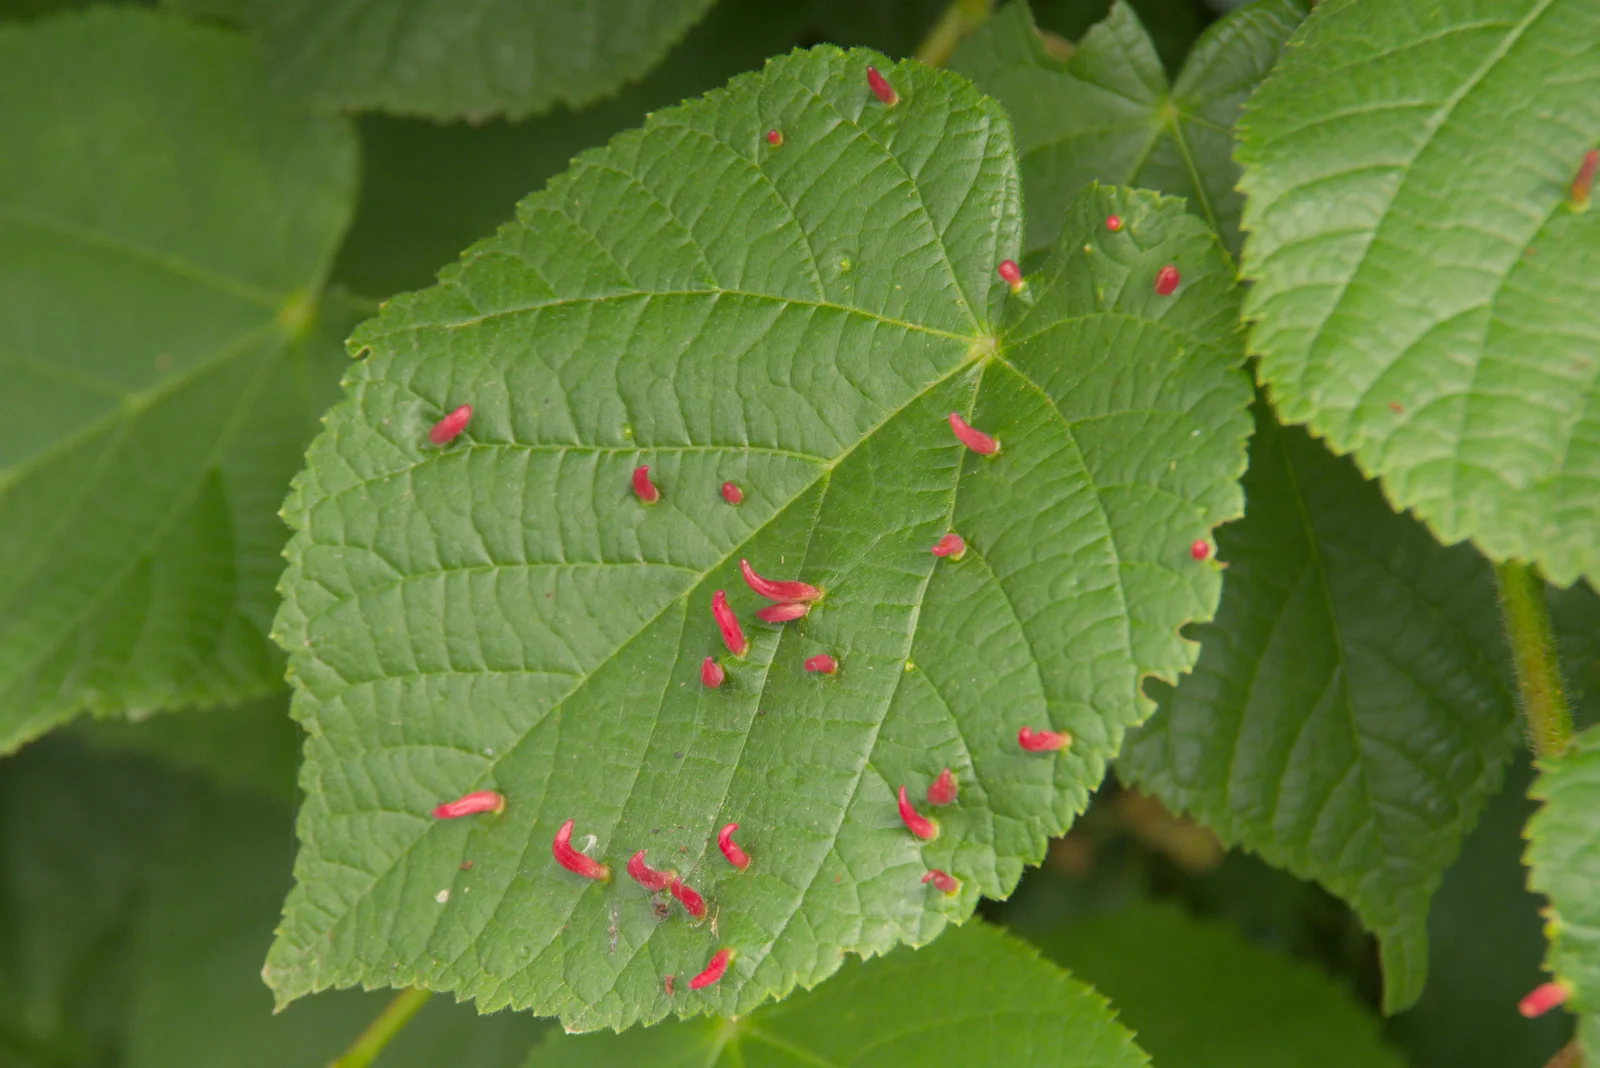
x=1424, y=298
x=164, y=229
x=504, y=614
x=1350, y=712
x=977, y=997
x=1108, y=114
x=457, y=59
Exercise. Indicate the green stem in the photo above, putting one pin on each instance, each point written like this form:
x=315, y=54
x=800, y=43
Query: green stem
x=365, y=1049
x=1533, y=649
x=958, y=20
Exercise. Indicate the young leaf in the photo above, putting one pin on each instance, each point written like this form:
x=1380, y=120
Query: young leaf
x=164, y=228
x=1107, y=114
x=446, y=59
x=1424, y=297
x=978, y=996
x=799, y=320
x=1350, y=712
x=1198, y=995
x=1563, y=858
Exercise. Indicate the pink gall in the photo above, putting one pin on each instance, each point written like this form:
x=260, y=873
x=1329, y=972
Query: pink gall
x=950, y=545
x=881, y=88
x=777, y=590
x=821, y=664
x=1166, y=281
x=976, y=440
x=692, y=903
x=646, y=876
x=735, y=856
x=574, y=861
x=942, y=882
x=774, y=138
x=918, y=825
x=711, y=673
x=1201, y=549
x=782, y=613
x=732, y=493
x=728, y=623
x=1578, y=192
x=446, y=429
x=1042, y=741
x=1114, y=223
x=1541, y=999
x=714, y=970
x=943, y=790
x=1011, y=275
x=643, y=488
x=470, y=805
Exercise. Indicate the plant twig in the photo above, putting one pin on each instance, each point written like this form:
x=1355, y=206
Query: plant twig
x=958, y=20
x=1568, y=1056
x=1533, y=649
x=371, y=1042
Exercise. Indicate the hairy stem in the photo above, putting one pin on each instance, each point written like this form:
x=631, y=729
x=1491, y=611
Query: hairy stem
x=1533, y=649
x=958, y=20
x=395, y=1015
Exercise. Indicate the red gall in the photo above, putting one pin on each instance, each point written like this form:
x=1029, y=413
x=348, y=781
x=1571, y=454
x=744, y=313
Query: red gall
x=1578, y=193
x=732, y=493
x=692, y=902
x=950, y=545
x=1542, y=998
x=822, y=663
x=775, y=590
x=1166, y=281
x=1200, y=549
x=774, y=138
x=446, y=429
x=643, y=488
x=728, y=624
x=574, y=861
x=1042, y=741
x=736, y=856
x=711, y=673
x=976, y=440
x=942, y=790
x=920, y=826
x=646, y=876
x=782, y=613
x=881, y=88
x=1113, y=223
x=470, y=805
x=1011, y=275
x=714, y=970
x=942, y=882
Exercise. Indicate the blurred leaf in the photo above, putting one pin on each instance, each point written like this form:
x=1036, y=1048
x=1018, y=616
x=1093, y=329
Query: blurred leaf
x=1173, y=24
x=165, y=226
x=977, y=997
x=1197, y=995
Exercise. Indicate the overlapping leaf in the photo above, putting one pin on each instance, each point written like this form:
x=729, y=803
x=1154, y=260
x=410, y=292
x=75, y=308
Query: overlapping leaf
x=503, y=613
x=160, y=376
x=1423, y=296
x=455, y=59
x=1108, y=114
x=1350, y=712
x=977, y=997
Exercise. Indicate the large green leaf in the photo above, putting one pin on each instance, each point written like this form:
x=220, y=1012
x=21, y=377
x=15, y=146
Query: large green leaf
x=1107, y=114
x=461, y=59
x=1423, y=297
x=1198, y=995
x=1564, y=865
x=504, y=613
x=1350, y=712
x=164, y=229
x=978, y=997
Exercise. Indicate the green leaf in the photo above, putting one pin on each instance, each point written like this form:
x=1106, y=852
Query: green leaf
x=1350, y=712
x=800, y=321
x=164, y=229
x=1563, y=865
x=1198, y=995
x=446, y=59
x=976, y=997
x=134, y=908
x=1107, y=114
x=1423, y=297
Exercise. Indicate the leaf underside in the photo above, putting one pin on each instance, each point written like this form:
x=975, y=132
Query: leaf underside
x=1350, y=712
x=160, y=382
x=503, y=613
x=1424, y=298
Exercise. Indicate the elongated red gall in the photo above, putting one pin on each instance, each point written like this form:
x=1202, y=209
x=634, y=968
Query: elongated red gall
x=693, y=903
x=574, y=861
x=1113, y=223
x=942, y=882
x=646, y=876
x=714, y=970
x=1542, y=998
x=446, y=429
x=774, y=138
x=881, y=88
x=950, y=545
x=821, y=664
x=1578, y=192
x=643, y=488
x=728, y=623
x=732, y=493
x=782, y=613
x=1042, y=741
x=1011, y=275
x=776, y=590
x=1201, y=549
x=711, y=673
x=942, y=791
x=735, y=856
x=1166, y=281
x=470, y=805
x=976, y=440
x=918, y=825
